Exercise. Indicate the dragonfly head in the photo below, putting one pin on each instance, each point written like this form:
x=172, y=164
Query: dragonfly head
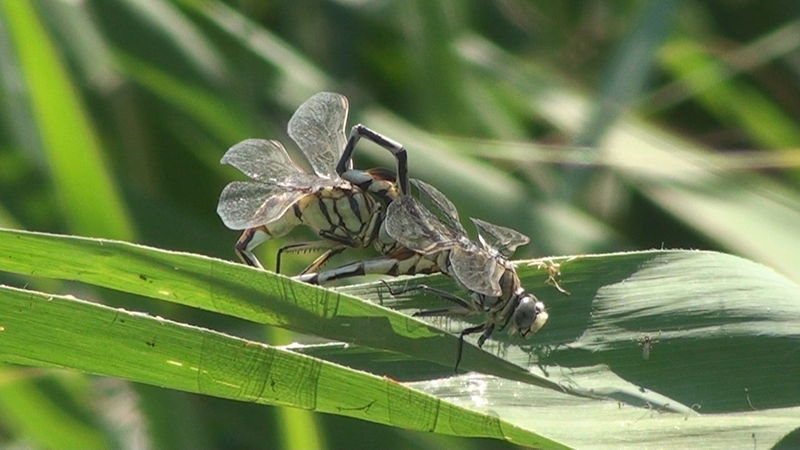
x=382, y=182
x=529, y=316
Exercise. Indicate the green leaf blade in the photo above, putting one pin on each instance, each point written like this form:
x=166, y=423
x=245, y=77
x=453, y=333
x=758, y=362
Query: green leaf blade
x=58, y=331
x=722, y=332
x=240, y=291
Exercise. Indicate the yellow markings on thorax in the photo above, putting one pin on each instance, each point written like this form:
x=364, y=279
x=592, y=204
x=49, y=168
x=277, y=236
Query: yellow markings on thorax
x=340, y=211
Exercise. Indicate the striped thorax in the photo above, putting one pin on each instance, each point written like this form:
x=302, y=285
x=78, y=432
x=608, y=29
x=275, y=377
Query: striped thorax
x=343, y=206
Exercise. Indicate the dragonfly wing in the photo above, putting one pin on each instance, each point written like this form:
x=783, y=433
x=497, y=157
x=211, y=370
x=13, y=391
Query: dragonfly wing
x=504, y=240
x=413, y=226
x=261, y=160
x=307, y=183
x=476, y=270
x=442, y=204
x=248, y=204
x=318, y=129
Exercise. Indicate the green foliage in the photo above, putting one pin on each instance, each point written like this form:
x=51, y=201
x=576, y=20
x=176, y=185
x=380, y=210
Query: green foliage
x=591, y=127
x=658, y=329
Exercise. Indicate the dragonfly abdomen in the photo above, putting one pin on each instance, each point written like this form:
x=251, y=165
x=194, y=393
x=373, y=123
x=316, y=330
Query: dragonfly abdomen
x=401, y=263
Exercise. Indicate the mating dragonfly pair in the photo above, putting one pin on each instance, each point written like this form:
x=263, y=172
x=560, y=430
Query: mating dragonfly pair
x=354, y=208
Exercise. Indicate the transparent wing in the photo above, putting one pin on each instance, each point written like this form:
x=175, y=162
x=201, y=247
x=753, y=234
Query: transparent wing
x=476, y=270
x=441, y=204
x=248, y=204
x=261, y=160
x=504, y=240
x=306, y=182
x=318, y=129
x=413, y=226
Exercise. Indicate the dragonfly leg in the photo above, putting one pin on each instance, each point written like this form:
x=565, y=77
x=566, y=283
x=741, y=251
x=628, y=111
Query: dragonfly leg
x=486, y=333
x=434, y=312
x=508, y=312
x=424, y=288
x=249, y=240
x=359, y=131
x=319, y=262
x=331, y=248
x=465, y=332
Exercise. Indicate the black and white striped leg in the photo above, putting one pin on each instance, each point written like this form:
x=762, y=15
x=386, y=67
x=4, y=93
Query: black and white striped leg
x=465, y=332
x=424, y=288
x=486, y=333
x=332, y=249
x=249, y=240
x=322, y=260
x=359, y=131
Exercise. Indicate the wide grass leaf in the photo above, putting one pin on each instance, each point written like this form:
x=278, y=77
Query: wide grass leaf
x=667, y=336
x=696, y=327
x=44, y=330
x=240, y=291
x=703, y=345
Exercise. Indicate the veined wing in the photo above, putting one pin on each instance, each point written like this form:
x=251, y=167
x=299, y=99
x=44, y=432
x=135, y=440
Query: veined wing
x=504, y=240
x=476, y=269
x=261, y=160
x=442, y=204
x=248, y=204
x=318, y=129
x=413, y=226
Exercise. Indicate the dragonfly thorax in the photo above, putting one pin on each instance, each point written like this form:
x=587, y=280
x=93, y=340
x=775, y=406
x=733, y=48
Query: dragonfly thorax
x=343, y=213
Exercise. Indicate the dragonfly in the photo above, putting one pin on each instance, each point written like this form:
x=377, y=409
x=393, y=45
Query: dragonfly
x=427, y=243
x=352, y=208
x=344, y=206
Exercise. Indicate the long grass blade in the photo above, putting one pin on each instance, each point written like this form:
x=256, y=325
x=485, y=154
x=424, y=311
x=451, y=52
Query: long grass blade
x=57, y=331
x=88, y=196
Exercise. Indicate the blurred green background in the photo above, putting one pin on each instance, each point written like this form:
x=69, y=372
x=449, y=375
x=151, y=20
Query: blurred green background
x=590, y=126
